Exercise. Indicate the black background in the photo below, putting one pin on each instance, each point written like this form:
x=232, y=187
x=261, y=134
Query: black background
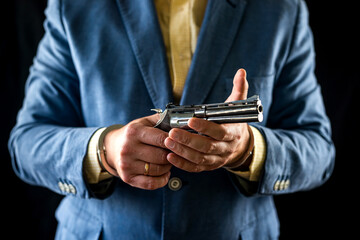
x=322, y=213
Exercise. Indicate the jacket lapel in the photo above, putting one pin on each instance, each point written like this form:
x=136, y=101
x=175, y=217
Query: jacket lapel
x=141, y=24
x=219, y=28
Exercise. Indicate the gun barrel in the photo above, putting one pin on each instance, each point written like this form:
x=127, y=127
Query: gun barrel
x=241, y=111
x=244, y=110
x=237, y=118
x=181, y=122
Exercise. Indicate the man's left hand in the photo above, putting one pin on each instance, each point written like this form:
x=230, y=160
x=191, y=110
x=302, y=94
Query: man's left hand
x=217, y=145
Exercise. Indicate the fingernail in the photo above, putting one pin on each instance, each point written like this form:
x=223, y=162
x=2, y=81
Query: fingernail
x=194, y=124
x=169, y=143
x=173, y=134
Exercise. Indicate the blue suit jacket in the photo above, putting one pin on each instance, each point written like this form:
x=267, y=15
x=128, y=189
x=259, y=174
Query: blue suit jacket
x=103, y=62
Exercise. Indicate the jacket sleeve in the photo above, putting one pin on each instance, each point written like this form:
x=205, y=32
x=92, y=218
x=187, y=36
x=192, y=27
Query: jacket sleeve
x=49, y=140
x=300, y=152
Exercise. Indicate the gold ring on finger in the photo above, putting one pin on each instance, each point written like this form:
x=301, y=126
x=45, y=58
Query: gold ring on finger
x=147, y=167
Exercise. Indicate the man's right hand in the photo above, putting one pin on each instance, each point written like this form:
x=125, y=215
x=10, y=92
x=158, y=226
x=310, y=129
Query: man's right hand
x=131, y=147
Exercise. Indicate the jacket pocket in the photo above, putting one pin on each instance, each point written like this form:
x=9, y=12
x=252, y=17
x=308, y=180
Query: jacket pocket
x=265, y=227
x=74, y=222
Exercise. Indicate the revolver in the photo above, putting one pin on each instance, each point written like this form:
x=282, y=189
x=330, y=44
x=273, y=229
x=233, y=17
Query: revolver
x=177, y=116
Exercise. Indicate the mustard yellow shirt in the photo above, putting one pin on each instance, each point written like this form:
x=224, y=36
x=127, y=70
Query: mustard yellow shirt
x=180, y=22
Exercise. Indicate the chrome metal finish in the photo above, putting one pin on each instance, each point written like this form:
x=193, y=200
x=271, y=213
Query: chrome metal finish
x=175, y=116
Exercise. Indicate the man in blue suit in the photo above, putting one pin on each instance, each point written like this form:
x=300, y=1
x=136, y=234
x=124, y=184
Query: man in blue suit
x=86, y=130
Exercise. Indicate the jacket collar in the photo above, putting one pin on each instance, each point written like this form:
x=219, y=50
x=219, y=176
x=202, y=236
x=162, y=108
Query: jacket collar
x=219, y=28
x=141, y=23
x=218, y=31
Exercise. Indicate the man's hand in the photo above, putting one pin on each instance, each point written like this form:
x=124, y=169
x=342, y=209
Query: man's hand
x=217, y=145
x=131, y=148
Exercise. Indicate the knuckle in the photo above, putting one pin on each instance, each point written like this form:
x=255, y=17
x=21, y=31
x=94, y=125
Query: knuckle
x=131, y=130
x=210, y=147
x=198, y=168
x=150, y=185
x=156, y=169
x=238, y=135
x=125, y=151
x=227, y=150
x=178, y=149
x=201, y=128
x=231, y=150
x=162, y=157
x=160, y=139
x=127, y=179
x=203, y=159
x=185, y=140
x=181, y=164
x=224, y=133
x=124, y=166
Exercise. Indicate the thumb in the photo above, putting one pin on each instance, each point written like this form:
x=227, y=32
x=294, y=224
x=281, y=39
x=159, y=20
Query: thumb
x=240, y=87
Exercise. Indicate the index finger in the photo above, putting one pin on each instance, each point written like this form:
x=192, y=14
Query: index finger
x=143, y=130
x=217, y=131
x=146, y=133
x=153, y=136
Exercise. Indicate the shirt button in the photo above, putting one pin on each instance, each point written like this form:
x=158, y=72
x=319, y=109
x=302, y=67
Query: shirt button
x=175, y=183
